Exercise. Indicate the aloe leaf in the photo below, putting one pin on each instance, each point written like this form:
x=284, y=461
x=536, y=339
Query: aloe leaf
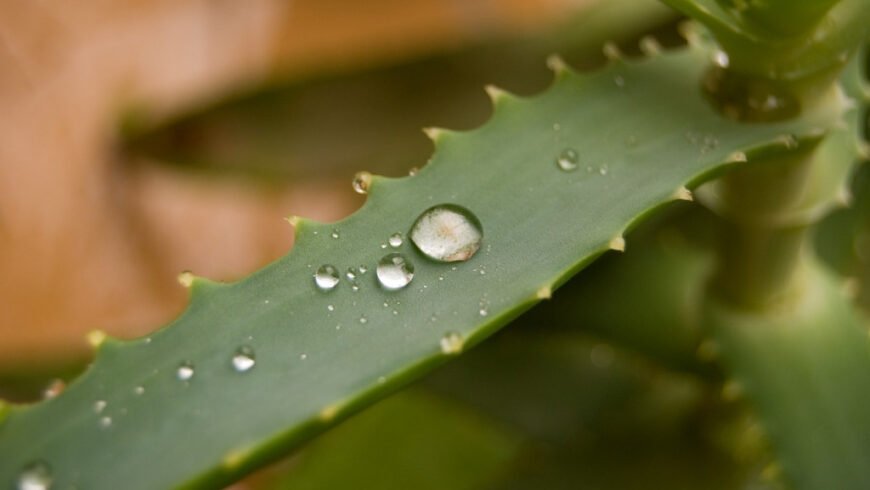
x=641, y=130
x=807, y=372
x=411, y=440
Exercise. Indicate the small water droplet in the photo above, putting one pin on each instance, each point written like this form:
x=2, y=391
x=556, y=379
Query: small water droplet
x=363, y=269
x=451, y=343
x=361, y=182
x=396, y=240
x=139, y=390
x=394, y=271
x=326, y=277
x=483, y=311
x=363, y=320
x=243, y=360
x=35, y=476
x=351, y=273
x=99, y=406
x=567, y=160
x=184, y=371
x=335, y=233
x=395, y=312
x=303, y=356
x=354, y=287
x=330, y=307
x=721, y=59
x=602, y=170
x=413, y=171
x=105, y=422
x=619, y=81
x=556, y=127
x=447, y=233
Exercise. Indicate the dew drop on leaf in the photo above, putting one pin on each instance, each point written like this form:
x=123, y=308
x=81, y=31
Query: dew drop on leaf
x=35, y=476
x=394, y=271
x=567, y=160
x=99, y=406
x=326, y=277
x=184, y=371
x=243, y=359
x=351, y=273
x=447, y=233
x=105, y=422
x=396, y=240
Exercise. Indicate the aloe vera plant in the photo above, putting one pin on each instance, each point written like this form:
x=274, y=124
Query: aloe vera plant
x=755, y=119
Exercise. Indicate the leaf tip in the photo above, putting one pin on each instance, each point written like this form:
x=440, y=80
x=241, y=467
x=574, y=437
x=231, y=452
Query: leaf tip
x=617, y=243
x=96, y=338
x=683, y=194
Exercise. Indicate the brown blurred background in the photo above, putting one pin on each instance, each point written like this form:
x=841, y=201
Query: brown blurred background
x=140, y=138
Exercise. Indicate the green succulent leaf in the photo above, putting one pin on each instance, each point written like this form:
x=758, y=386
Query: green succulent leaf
x=410, y=440
x=641, y=131
x=806, y=369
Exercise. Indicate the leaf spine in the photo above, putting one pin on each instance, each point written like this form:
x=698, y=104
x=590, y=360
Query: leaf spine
x=617, y=243
x=96, y=338
x=650, y=46
x=557, y=64
x=683, y=194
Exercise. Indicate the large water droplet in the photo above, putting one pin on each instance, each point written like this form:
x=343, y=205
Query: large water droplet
x=447, y=233
x=326, y=277
x=35, y=476
x=243, y=360
x=451, y=343
x=184, y=371
x=396, y=240
x=567, y=160
x=394, y=271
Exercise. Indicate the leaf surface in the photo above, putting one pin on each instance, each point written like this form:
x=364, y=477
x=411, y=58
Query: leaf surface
x=641, y=131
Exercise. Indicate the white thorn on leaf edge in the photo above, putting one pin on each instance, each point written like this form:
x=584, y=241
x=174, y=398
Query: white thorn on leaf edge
x=650, y=46
x=611, y=51
x=185, y=278
x=618, y=244
x=495, y=93
x=434, y=134
x=557, y=64
x=683, y=194
x=96, y=338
